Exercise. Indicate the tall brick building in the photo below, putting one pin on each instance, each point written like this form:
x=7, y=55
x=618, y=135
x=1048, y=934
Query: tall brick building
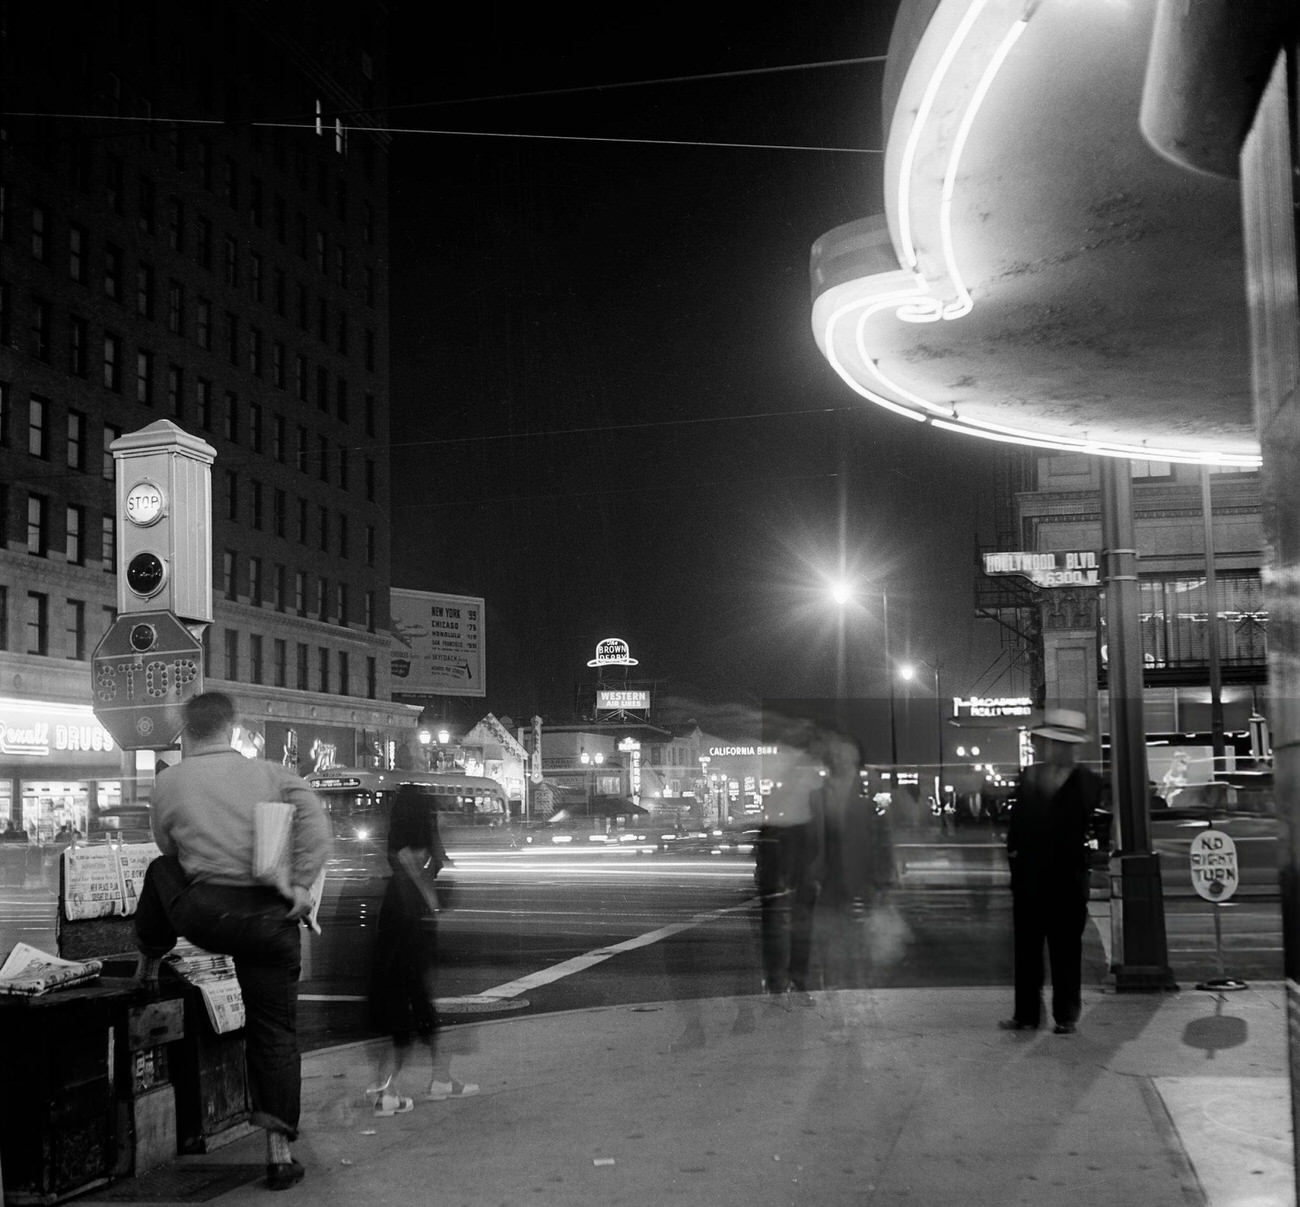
x=193, y=227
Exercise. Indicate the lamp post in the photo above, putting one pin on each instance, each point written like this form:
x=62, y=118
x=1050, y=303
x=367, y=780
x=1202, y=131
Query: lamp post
x=908, y=671
x=842, y=593
x=591, y=761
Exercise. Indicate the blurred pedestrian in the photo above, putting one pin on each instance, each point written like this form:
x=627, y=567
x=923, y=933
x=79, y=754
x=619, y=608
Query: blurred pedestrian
x=203, y=887
x=789, y=863
x=406, y=955
x=1047, y=849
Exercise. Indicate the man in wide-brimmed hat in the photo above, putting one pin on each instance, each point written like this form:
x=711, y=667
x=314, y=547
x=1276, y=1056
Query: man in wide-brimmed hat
x=1047, y=850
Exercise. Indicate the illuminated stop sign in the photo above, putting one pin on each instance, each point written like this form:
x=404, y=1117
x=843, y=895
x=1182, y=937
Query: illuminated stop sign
x=143, y=670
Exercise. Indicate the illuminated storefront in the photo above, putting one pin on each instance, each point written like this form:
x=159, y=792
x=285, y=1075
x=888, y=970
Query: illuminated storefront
x=58, y=766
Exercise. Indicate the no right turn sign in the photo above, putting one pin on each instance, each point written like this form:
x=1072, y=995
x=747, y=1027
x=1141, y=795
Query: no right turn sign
x=1214, y=865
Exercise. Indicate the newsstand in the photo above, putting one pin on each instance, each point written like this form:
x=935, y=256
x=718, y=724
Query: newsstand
x=58, y=1114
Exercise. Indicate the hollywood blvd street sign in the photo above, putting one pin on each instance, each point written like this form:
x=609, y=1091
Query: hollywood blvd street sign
x=1062, y=569
x=143, y=671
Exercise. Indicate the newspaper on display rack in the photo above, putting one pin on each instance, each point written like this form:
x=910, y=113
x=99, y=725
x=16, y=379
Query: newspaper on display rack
x=104, y=882
x=30, y=972
x=214, y=977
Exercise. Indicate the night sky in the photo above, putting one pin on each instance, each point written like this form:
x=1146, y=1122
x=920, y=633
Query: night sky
x=610, y=415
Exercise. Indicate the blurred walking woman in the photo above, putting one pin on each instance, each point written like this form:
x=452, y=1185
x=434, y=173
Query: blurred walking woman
x=406, y=954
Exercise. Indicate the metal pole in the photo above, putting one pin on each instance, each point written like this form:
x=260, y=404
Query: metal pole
x=1212, y=627
x=938, y=718
x=1139, y=948
x=889, y=672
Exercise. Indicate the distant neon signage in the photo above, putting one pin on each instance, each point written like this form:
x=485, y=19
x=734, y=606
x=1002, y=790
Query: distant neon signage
x=613, y=651
x=639, y=700
x=992, y=706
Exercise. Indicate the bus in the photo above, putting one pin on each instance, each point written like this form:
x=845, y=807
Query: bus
x=359, y=800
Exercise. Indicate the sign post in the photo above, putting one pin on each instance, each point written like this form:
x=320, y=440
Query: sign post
x=1215, y=876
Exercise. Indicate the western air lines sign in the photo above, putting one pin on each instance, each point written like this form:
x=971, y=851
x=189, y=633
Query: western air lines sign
x=1076, y=568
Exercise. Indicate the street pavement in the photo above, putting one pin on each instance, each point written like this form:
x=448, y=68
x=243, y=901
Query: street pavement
x=893, y=1098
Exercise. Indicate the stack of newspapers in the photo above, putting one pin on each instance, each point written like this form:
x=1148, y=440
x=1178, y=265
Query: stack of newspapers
x=214, y=977
x=30, y=972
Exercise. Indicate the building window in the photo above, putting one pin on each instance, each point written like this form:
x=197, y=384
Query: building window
x=300, y=378
x=255, y=581
x=176, y=307
x=323, y=598
x=255, y=276
x=368, y=601
x=341, y=399
x=176, y=391
x=232, y=654
x=343, y=535
x=145, y=218
x=78, y=339
x=232, y=416
x=108, y=543
x=4, y=617
x=255, y=351
x=300, y=593
x=277, y=365
x=341, y=603
x=37, y=535
x=176, y=224
x=113, y=271
x=278, y=512
x=37, y=416
x=231, y=480
x=344, y=673
x=277, y=588
x=77, y=630
x=322, y=388
x=203, y=324
x=229, y=586
x=302, y=521
x=203, y=403
x=255, y=426
x=302, y=449
x=38, y=623
x=302, y=678
x=113, y=363
x=144, y=290
x=76, y=452
x=324, y=665
x=230, y=337
x=256, y=493
x=280, y=660
x=109, y=465
x=144, y=377
x=323, y=469
x=203, y=242
x=77, y=254
x=41, y=329
x=230, y=261
x=372, y=678
x=114, y=179
x=40, y=247
x=255, y=658
x=74, y=527
x=323, y=515
x=277, y=439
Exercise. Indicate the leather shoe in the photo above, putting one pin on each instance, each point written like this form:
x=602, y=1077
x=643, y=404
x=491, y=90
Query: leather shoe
x=280, y=1175
x=1014, y=1024
x=1063, y=1029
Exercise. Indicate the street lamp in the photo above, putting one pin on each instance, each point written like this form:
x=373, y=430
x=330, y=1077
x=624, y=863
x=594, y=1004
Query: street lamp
x=593, y=761
x=907, y=671
x=842, y=592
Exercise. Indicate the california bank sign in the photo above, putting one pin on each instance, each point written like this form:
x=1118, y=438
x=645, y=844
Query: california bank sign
x=42, y=731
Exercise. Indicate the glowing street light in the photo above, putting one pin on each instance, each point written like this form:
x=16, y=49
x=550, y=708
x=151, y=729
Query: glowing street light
x=908, y=671
x=842, y=593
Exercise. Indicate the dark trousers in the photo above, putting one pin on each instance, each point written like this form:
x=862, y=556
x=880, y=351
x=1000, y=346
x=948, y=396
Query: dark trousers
x=249, y=924
x=787, y=890
x=1055, y=920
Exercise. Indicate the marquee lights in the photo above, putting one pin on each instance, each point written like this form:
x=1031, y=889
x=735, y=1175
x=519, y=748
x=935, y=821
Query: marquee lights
x=914, y=299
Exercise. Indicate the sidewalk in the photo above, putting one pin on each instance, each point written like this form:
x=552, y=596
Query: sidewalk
x=880, y=1097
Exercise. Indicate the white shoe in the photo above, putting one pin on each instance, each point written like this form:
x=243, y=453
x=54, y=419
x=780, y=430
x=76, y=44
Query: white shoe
x=440, y=1090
